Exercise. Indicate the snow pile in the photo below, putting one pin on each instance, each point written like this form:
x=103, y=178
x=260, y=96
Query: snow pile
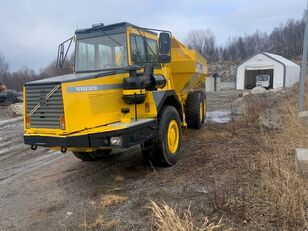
x=10, y=121
x=259, y=90
x=16, y=109
x=246, y=93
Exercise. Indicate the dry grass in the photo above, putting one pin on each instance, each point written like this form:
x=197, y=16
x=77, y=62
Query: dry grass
x=282, y=192
x=112, y=199
x=279, y=195
x=100, y=223
x=254, y=184
x=166, y=218
x=119, y=179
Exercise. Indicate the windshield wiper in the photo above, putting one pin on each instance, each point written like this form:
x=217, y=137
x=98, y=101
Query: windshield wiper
x=121, y=45
x=110, y=72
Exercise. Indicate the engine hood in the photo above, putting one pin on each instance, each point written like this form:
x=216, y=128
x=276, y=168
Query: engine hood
x=74, y=77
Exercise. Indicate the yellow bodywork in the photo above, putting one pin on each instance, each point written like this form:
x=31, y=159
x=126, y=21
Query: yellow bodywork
x=100, y=111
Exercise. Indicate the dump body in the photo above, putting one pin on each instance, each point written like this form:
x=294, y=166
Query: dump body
x=89, y=110
x=188, y=68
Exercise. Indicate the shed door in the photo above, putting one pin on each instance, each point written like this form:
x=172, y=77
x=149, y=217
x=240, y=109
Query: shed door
x=250, y=77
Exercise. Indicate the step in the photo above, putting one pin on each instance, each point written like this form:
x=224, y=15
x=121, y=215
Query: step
x=301, y=160
x=303, y=116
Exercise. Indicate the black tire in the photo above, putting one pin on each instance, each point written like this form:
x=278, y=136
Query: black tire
x=93, y=156
x=194, y=110
x=159, y=151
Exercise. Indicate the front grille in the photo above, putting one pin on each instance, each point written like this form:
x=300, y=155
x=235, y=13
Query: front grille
x=44, y=105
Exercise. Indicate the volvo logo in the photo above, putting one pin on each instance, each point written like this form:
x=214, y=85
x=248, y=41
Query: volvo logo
x=94, y=88
x=86, y=88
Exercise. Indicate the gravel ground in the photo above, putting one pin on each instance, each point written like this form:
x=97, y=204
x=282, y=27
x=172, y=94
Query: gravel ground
x=47, y=190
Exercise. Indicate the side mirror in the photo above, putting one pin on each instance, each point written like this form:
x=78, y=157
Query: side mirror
x=164, y=47
x=63, y=50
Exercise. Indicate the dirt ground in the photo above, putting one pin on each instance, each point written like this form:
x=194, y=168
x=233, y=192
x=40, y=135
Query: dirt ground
x=46, y=190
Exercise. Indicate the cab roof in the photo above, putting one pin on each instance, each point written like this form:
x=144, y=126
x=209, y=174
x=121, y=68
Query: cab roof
x=102, y=29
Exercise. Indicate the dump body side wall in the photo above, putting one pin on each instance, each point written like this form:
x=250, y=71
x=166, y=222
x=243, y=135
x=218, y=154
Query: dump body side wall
x=188, y=68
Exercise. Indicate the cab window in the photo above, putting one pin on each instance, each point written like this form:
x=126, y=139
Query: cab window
x=86, y=53
x=138, y=54
x=152, y=51
x=144, y=50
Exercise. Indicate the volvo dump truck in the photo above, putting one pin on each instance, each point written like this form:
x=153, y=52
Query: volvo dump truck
x=130, y=86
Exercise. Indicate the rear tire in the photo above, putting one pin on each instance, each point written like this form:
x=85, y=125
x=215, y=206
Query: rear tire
x=194, y=110
x=165, y=149
x=93, y=156
x=204, y=107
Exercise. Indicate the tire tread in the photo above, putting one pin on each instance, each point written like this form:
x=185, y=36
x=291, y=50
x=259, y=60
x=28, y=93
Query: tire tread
x=192, y=109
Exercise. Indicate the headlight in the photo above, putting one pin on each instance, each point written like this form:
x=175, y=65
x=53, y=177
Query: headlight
x=116, y=140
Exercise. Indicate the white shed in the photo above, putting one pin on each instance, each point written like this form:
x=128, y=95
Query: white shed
x=282, y=71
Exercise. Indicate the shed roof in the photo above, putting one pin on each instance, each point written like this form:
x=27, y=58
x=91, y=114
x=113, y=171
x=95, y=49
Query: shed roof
x=276, y=58
x=281, y=59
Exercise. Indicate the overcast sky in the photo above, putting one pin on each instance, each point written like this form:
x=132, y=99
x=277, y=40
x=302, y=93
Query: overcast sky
x=30, y=30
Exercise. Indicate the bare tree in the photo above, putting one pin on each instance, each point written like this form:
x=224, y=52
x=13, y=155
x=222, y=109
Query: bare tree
x=204, y=41
x=285, y=40
x=16, y=80
x=51, y=69
x=4, y=68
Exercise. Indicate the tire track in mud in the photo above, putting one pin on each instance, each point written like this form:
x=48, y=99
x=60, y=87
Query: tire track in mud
x=16, y=158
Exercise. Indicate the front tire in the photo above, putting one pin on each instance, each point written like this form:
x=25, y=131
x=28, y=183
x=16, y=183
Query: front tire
x=165, y=149
x=92, y=156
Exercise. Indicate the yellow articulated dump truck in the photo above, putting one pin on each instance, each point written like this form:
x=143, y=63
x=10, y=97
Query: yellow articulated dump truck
x=130, y=86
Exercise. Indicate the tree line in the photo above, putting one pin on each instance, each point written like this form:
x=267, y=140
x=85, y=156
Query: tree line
x=16, y=79
x=286, y=40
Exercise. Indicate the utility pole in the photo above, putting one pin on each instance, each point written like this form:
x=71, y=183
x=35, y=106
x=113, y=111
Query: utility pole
x=304, y=67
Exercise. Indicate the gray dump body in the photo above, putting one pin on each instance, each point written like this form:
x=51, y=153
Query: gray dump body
x=8, y=97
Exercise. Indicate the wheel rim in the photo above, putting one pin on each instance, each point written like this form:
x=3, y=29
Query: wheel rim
x=173, y=136
x=201, y=111
x=204, y=108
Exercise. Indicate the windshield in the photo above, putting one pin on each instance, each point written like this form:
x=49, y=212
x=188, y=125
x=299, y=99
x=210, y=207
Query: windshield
x=99, y=53
x=262, y=78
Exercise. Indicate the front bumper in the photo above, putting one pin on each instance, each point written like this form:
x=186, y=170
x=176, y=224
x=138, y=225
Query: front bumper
x=129, y=136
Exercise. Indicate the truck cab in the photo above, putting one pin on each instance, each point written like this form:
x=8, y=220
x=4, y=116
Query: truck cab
x=129, y=87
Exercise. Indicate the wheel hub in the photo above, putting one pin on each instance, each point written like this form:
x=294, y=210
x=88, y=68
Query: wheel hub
x=173, y=136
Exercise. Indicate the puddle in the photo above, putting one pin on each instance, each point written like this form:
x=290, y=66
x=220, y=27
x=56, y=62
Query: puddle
x=220, y=117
